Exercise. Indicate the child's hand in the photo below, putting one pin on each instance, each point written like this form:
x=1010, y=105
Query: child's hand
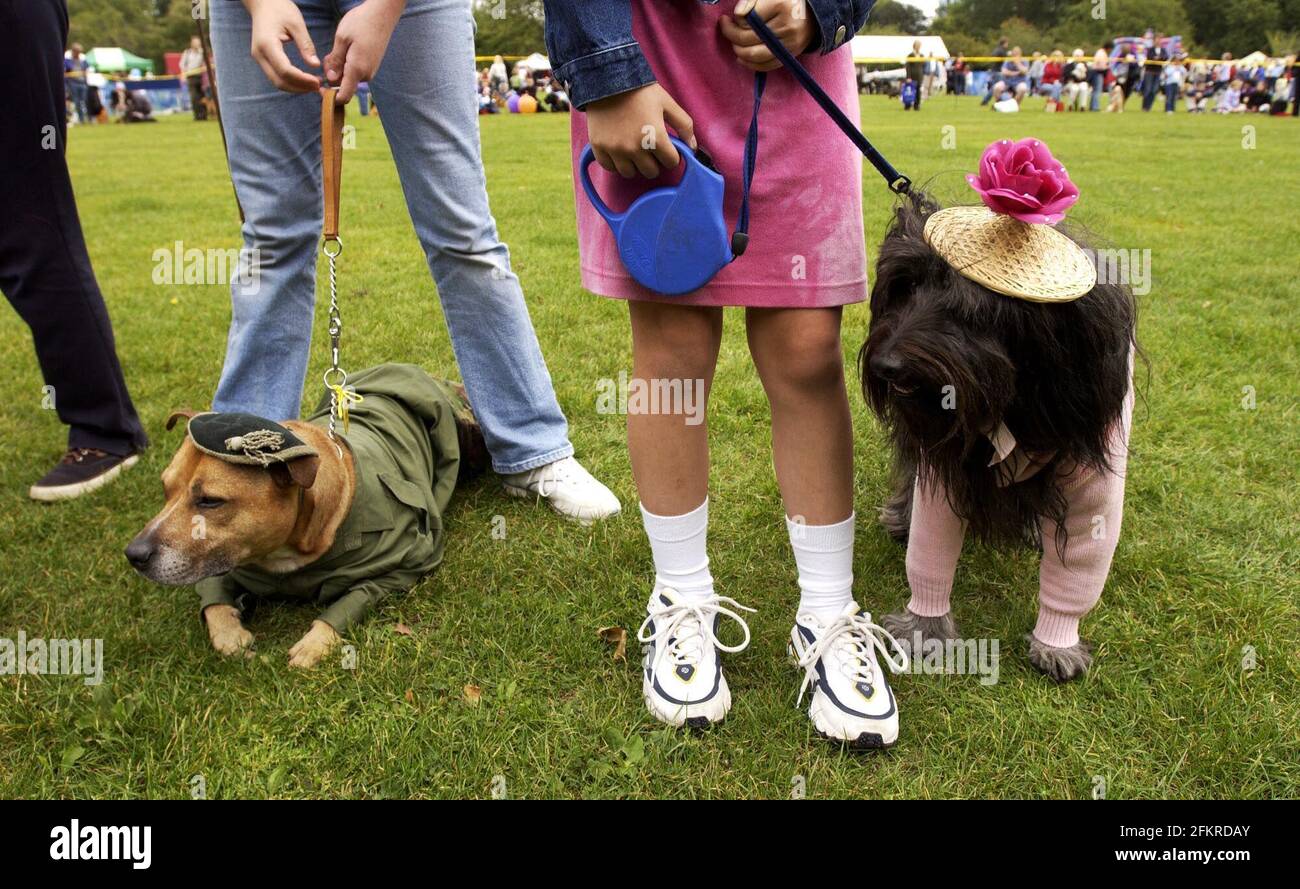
x=360, y=41
x=275, y=23
x=628, y=134
x=789, y=20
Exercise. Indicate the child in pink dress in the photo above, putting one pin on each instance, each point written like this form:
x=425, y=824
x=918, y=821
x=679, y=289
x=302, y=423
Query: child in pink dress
x=635, y=68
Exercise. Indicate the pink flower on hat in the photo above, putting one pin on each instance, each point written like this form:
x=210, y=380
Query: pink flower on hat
x=1022, y=180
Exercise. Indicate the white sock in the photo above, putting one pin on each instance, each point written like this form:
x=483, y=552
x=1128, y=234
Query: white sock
x=679, y=545
x=824, y=557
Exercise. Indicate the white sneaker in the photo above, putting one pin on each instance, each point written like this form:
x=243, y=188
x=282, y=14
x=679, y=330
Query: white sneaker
x=851, y=700
x=681, y=672
x=570, y=489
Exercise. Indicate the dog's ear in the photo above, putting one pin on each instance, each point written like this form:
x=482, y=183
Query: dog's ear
x=300, y=472
x=178, y=414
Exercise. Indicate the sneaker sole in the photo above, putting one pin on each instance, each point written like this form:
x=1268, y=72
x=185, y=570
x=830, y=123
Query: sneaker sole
x=582, y=516
x=71, y=492
x=865, y=739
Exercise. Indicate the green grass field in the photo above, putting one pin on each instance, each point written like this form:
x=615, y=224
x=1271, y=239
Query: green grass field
x=1206, y=568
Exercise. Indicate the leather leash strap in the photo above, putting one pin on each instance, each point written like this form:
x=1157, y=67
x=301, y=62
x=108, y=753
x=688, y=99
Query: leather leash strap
x=331, y=156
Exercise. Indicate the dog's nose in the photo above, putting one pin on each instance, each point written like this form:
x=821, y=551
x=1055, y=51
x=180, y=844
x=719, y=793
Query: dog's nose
x=887, y=366
x=139, y=552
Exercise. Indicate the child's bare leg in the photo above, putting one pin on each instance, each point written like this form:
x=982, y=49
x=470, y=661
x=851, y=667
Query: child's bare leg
x=798, y=356
x=799, y=359
x=675, y=349
x=670, y=456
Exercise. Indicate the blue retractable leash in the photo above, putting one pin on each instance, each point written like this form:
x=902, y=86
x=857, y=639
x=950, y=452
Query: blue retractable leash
x=673, y=239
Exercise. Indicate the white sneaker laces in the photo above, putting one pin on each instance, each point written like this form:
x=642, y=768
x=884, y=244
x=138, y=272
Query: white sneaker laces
x=851, y=637
x=556, y=473
x=690, y=627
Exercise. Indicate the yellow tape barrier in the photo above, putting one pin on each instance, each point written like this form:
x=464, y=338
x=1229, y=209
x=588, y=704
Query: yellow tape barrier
x=76, y=75
x=1087, y=60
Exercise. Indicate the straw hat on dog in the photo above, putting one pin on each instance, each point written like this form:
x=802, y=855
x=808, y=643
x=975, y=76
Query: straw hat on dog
x=1009, y=245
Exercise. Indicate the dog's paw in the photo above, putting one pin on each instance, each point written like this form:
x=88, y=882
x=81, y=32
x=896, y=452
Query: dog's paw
x=227, y=634
x=903, y=625
x=308, y=651
x=232, y=641
x=896, y=515
x=1062, y=664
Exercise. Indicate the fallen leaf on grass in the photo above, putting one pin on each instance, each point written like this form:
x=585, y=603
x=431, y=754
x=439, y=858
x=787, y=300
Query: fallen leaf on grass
x=473, y=694
x=616, y=636
x=70, y=757
x=410, y=696
x=402, y=630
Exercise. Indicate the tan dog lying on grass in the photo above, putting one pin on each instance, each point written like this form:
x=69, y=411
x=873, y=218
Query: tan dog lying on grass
x=257, y=509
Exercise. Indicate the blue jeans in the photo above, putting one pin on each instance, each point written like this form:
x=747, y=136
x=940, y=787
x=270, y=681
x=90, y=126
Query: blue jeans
x=1171, y=96
x=1150, y=86
x=78, y=90
x=1097, y=80
x=426, y=86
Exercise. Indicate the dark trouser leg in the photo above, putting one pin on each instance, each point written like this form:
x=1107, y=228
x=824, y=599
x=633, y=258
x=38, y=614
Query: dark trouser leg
x=196, y=96
x=44, y=268
x=1149, y=85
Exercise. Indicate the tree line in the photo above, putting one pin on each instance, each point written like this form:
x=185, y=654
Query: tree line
x=1208, y=27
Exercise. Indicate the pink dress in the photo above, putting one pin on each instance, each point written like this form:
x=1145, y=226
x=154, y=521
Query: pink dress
x=806, y=247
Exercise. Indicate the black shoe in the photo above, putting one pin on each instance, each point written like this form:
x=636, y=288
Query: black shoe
x=81, y=471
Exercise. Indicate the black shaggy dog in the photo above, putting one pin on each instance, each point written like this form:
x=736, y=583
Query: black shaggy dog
x=946, y=362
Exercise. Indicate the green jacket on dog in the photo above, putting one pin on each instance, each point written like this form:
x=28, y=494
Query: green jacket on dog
x=406, y=454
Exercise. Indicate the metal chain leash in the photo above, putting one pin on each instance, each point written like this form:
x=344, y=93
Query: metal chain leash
x=336, y=377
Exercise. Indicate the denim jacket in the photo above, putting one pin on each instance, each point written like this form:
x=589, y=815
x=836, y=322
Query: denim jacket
x=594, y=53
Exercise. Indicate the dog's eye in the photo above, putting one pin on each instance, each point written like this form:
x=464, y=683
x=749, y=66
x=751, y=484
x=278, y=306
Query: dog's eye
x=209, y=502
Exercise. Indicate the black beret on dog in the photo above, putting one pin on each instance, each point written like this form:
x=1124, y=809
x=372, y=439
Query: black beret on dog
x=246, y=439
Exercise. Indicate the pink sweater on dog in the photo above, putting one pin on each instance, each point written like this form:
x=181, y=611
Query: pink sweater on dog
x=1068, y=586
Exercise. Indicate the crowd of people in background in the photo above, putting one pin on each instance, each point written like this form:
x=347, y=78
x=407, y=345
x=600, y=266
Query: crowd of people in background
x=1156, y=71
x=86, y=103
x=501, y=89
x=1102, y=82
x=521, y=92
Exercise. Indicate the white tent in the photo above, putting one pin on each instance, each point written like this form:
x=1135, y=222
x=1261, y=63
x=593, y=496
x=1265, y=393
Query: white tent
x=895, y=47
x=537, y=62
